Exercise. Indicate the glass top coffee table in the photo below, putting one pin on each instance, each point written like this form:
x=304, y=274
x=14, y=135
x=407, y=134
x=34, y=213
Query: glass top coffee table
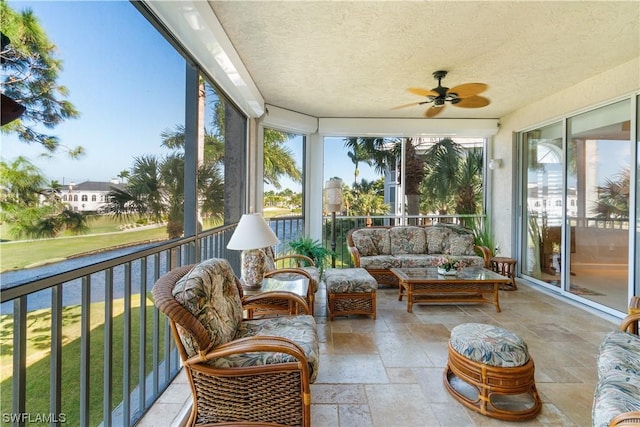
x=471, y=284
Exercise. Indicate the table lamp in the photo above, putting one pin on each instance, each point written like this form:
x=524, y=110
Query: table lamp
x=250, y=236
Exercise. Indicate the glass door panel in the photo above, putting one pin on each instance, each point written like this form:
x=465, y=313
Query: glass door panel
x=542, y=217
x=597, y=200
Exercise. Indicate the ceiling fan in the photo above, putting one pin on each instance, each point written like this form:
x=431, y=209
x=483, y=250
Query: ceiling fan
x=464, y=96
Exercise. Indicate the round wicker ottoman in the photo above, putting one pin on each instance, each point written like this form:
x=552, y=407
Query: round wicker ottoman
x=489, y=370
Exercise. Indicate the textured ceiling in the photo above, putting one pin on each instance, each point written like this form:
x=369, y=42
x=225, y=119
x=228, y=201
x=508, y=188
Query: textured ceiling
x=356, y=59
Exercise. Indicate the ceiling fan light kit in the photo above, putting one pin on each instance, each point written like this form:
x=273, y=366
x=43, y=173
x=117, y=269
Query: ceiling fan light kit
x=463, y=96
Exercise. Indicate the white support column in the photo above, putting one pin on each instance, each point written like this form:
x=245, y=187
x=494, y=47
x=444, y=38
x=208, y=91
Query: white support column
x=256, y=166
x=314, y=161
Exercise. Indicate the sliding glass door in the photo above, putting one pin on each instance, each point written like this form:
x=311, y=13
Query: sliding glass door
x=575, y=197
x=598, y=173
x=543, y=192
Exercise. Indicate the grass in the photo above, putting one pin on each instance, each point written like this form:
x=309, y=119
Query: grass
x=38, y=363
x=26, y=254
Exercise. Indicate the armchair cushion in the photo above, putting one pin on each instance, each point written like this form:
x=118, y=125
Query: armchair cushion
x=619, y=352
x=300, y=329
x=210, y=293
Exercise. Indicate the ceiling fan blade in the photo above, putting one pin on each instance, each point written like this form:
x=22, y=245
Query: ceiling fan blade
x=473, y=102
x=468, y=89
x=413, y=104
x=433, y=111
x=422, y=92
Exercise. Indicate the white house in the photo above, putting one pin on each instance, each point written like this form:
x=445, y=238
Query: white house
x=88, y=196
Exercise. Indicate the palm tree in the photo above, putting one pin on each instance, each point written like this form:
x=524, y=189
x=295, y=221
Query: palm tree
x=613, y=197
x=213, y=146
x=172, y=178
x=30, y=74
x=278, y=159
x=22, y=185
x=442, y=166
x=368, y=204
x=470, y=186
x=357, y=154
x=145, y=185
x=124, y=175
x=376, y=152
x=413, y=174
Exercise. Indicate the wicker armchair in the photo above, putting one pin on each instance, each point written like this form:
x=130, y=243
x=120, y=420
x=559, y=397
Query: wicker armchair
x=241, y=372
x=292, y=265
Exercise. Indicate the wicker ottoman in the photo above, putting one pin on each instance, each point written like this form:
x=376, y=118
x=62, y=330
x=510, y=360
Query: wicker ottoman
x=350, y=291
x=489, y=370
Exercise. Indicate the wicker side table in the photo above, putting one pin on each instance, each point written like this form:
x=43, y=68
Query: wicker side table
x=489, y=370
x=350, y=291
x=506, y=267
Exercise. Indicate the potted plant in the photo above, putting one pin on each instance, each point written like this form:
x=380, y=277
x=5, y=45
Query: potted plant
x=313, y=249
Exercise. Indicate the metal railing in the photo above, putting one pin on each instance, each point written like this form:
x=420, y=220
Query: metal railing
x=100, y=340
x=105, y=348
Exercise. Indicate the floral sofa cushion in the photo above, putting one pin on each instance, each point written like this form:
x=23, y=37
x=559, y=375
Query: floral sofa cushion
x=300, y=329
x=407, y=240
x=489, y=345
x=375, y=241
x=210, y=293
x=380, y=262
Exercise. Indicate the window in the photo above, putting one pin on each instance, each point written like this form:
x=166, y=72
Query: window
x=85, y=198
x=582, y=250
x=373, y=174
x=93, y=198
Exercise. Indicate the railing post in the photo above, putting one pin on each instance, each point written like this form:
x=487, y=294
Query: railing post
x=333, y=239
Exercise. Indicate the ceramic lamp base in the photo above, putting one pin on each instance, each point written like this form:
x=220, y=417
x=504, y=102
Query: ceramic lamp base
x=252, y=268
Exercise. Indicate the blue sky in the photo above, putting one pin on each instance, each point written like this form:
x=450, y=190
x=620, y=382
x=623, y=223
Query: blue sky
x=123, y=106
x=122, y=109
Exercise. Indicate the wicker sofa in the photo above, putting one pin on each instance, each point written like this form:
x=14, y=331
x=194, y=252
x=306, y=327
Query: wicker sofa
x=616, y=399
x=378, y=249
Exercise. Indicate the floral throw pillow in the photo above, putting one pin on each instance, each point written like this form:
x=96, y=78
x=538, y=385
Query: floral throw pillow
x=460, y=244
x=365, y=244
x=210, y=293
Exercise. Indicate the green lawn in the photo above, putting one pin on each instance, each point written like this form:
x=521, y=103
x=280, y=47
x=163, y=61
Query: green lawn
x=25, y=254
x=38, y=369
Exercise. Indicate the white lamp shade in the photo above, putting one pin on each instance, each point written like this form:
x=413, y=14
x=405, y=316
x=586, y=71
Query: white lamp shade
x=333, y=195
x=252, y=232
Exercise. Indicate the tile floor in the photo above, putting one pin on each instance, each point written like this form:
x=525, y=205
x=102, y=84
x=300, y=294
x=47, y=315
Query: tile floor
x=388, y=371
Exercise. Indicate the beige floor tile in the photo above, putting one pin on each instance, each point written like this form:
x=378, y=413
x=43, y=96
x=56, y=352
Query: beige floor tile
x=388, y=372
x=399, y=405
x=324, y=416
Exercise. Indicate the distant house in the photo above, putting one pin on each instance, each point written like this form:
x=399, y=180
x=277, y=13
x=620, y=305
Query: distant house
x=88, y=196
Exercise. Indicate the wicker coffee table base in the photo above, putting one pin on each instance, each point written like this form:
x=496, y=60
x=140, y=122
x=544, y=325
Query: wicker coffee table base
x=491, y=383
